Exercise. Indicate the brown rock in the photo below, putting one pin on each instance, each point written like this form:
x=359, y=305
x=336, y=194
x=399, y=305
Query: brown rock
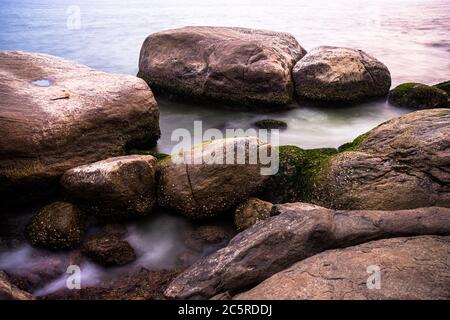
x=411, y=268
x=56, y=226
x=296, y=233
x=120, y=186
x=250, y=212
x=340, y=74
x=201, y=183
x=400, y=164
x=109, y=250
x=244, y=66
x=9, y=291
x=56, y=114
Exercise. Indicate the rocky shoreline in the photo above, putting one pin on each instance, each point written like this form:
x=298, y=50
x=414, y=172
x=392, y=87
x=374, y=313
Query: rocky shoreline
x=79, y=136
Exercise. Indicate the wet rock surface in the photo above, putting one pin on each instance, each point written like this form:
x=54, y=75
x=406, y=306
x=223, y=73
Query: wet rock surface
x=8, y=291
x=401, y=164
x=74, y=116
x=108, y=250
x=410, y=269
x=238, y=65
x=296, y=233
x=203, y=183
x=56, y=226
x=117, y=187
x=340, y=75
x=250, y=212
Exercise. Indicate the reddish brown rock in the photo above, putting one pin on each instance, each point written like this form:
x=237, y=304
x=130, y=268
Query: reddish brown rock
x=57, y=114
x=244, y=66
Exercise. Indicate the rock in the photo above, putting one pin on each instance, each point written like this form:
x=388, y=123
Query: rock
x=340, y=75
x=237, y=65
x=296, y=167
x=271, y=124
x=444, y=86
x=57, y=114
x=222, y=296
x=409, y=154
x=56, y=226
x=138, y=285
x=418, y=96
x=211, y=179
x=9, y=291
x=411, y=269
x=250, y=212
x=211, y=233
x=108, y=250
x=115, y=187
x=159, y=156
x=298, y=231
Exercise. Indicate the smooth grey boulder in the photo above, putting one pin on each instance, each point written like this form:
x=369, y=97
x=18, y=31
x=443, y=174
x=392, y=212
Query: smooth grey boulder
x=298, y=231
x=413, y=268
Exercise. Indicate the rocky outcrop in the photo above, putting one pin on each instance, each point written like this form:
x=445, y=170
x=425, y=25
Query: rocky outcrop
x=418, y=96
x=238, y=65
x=115, y=187
x=9, y=291
x=56, y=114
x=212, y=178
x=401, y=164
x=443, y=86
x=298, y=231
x=250, y=212
x=340, y=75
x=56, y=226
x=108, y=250
x=270, y=124
x=410, y=269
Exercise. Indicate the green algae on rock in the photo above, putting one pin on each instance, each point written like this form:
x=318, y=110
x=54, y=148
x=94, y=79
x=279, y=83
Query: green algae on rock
x=418, y=96
x=271, y=124
x=444, y=86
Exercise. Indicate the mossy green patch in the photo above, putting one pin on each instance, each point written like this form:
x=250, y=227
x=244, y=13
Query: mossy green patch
x=352, y=146
x=417, y=95
x=270, y=124
x=444, y=86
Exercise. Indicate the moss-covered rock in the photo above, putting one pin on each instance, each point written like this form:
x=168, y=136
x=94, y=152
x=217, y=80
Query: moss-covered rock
x=297, y=174
x=250, y=212
x=444, y=86
x=271, y=124
x=418, y=96
x=109, y=250
x=56, y=226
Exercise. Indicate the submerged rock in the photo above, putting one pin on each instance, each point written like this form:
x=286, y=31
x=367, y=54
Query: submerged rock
x=340, y=74
x=297, y=232
x=418, y=96
x=250, y=212
x=115, y=187
x=56, y=226
x=401, y=164
x=212, y=178
x=238, y=65
x=410, y=269
x=271, y=124
x=9, y=291
x=76, y=115
x=109, y=250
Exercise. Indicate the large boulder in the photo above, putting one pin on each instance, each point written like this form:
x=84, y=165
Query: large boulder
x=238, y=65
x=340, y=75
x=115, y=187
x=9, y=291
x=212, y=178
x=401, y=164
x=56, y=114
x=56, y=226
x=443, y=86
x=410, y=269
x=418, y=96
x=298, y=231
